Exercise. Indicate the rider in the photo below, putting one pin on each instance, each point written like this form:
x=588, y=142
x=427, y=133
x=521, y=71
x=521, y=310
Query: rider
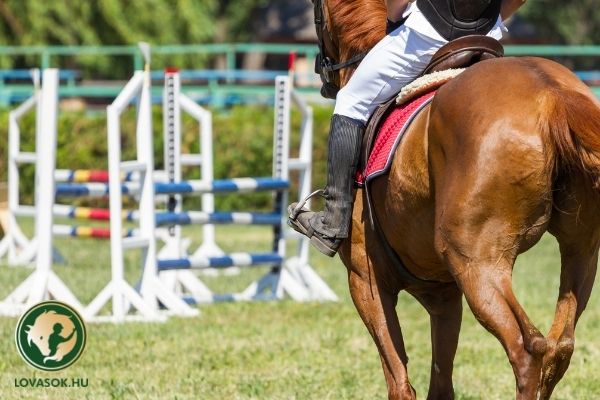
x=420, y=28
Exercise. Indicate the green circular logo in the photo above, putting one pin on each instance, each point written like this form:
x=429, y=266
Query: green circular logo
x=50, y=336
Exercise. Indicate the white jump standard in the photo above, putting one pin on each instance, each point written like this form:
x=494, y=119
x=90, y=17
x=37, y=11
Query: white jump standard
x=43, y=283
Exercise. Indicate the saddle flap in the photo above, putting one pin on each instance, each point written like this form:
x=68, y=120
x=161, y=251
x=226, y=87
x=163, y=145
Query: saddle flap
x=373, y=129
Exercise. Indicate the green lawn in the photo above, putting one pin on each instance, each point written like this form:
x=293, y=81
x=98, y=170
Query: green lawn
x=284, y=350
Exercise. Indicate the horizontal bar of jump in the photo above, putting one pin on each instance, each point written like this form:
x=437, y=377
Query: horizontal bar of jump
x=91, y=189
x=72, y=212
x=97, y=214
x=135, y=242
x=88, y=232
x=222, y=186
x=297, y=164
x=162, y=218
x=199, y=218
x=191, y=159
x=133, y=166
x=91, y=175
x=229, y=260
x=225, y=298
x=238, y=185
x=25, y=157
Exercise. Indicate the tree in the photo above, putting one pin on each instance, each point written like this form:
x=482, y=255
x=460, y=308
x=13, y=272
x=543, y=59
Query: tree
x=103, y=22
x=559, y=21
x=237, y=18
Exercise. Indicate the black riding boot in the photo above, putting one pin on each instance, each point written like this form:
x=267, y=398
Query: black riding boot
x=327, y=228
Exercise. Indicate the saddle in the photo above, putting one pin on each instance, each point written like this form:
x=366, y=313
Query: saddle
x=449, y=60
x=457, y=54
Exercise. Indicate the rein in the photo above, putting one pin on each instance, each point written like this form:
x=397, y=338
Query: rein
x=326, y=65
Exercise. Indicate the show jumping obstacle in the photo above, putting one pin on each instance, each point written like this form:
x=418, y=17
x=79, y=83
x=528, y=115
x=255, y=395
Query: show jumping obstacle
x=168, y=282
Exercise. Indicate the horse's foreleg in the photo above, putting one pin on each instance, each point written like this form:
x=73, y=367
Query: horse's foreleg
x=445, y=311
x=377, y=310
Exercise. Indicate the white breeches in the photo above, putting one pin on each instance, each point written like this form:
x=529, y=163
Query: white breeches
x=393, y=63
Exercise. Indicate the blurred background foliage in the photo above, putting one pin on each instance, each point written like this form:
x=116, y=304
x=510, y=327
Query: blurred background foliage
x=564, y=22
x=111, y=22
x=161, y=22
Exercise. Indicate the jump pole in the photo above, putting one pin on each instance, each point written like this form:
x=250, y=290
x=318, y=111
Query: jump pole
x=296, y=276
x=43, y=283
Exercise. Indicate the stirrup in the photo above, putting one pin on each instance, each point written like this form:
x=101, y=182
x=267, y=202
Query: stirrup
x=300, y=205
x=326, y=245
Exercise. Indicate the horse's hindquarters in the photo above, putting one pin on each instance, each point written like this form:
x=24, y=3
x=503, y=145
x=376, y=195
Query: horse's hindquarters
x=494, y=171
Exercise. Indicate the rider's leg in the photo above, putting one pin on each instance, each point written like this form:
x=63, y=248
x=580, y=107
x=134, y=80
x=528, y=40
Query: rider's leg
x=327, y=228
x=390, y=65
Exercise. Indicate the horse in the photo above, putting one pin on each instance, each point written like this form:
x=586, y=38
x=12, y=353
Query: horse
x=506, y=151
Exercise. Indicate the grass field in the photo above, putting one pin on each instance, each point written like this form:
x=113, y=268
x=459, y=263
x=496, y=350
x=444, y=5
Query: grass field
x=284, y=350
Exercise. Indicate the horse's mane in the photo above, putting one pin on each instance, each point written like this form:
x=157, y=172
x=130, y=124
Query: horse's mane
x=356, y=25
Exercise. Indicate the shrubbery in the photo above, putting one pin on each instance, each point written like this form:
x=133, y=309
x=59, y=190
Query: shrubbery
x=242, y=146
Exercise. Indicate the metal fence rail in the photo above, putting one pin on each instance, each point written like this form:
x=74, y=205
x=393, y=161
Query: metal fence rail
x=226, y=85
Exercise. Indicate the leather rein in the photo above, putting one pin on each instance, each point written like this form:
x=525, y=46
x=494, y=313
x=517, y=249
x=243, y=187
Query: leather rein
x=325, y=65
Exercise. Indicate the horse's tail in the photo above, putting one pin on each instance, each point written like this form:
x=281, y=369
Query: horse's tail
x=572, y=124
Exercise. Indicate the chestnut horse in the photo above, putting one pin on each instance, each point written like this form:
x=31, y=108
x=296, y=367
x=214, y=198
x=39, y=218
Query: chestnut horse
x=506, y=151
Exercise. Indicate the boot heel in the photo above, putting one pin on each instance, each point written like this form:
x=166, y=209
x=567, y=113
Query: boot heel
x=324, y=248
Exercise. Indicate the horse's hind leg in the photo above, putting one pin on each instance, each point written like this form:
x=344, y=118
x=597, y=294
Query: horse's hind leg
x=484, y=218
x=445, y=310
x=487, y=288
x=576, y=226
